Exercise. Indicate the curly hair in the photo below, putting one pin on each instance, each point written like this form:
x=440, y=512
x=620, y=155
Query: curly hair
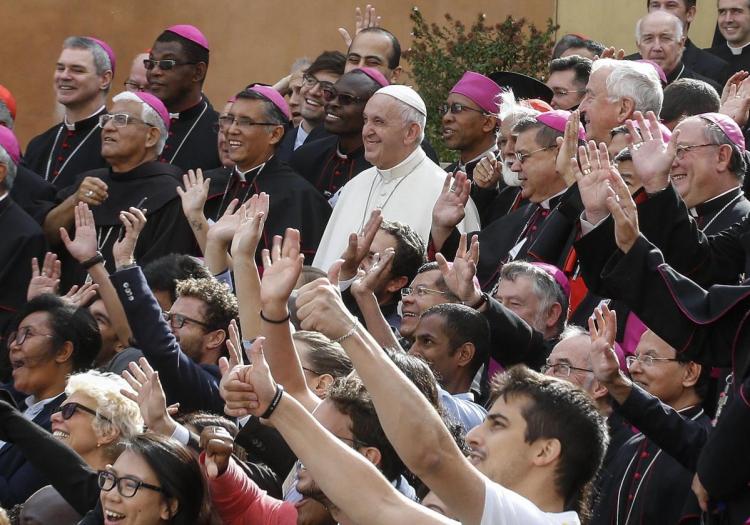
x=221, y=304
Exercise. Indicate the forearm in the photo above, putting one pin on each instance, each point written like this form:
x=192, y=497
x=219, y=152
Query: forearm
x=199, y=226
x=215, y=253
x=61, y=216
x=116, y=312
x=247, y=290
x=439, y=235
x=374, y=320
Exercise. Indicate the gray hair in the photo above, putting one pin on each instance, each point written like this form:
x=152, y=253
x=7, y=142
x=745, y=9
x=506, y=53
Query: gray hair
x=6, y=119
x=148, y=115
x=678, y=31
x=715, y=135
x=510, y=108
x=102, y=63
x=634, y=80
x=411, y=115
x=573, y=330
x=10, y=172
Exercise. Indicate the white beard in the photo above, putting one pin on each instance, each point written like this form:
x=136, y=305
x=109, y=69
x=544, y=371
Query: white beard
x=510, y=178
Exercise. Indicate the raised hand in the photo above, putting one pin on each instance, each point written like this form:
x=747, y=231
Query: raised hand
x=250, y=229
x=223, y=229
x=459, y=276
x=449, y=207
x=248, y=389
x=84, y=246
x=488, y=171
x=624, y=212
x=737, y=103
x=735, y=81
x=218, y=445
x=321, y=309
x=123, y=251
x=149, y=395
x=359, y=246
x=652, y=157
x=613, y=53
x=362, y=21
x=232, y=388
x=567, y=148
x=194, y=194
x=603, y=329
x=281, y=269
x=367, y=281
x=45, y=281
x=593, y=179
x=80, y=296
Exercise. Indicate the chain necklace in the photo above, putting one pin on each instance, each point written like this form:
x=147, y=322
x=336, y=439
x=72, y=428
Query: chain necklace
x=372, y=187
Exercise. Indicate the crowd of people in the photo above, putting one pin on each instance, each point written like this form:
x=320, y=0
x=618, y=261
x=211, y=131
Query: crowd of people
x=278, y=313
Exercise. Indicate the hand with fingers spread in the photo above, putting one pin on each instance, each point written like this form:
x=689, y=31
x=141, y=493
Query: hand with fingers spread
x=568, y=148
x=84, y=246
x=320, y=307
x=368, y=280
x=149, y=395
x=449, y=209
x=735, y=80
x=604, y=362
x=281, y=269
x=652, y=157
x=250, y=229
x=737, y=104
x=488, y=171
x=92, y=191
x=362, y=21
x=123, y=251
x=624, y=212
x=222, y=231
x=359, y=246
x=45, y=280
x=613, y=53
x=218, y=445
x=593, y=179
x=194, y=193
x=80, y=296
x=459, y=276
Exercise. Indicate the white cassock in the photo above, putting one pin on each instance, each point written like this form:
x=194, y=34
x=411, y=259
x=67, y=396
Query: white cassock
x=405, y=193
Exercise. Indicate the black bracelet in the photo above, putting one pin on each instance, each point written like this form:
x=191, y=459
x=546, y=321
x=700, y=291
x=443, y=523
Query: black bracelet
x=96, y=259
x=484, y=298
x=272, y=321
x=274, y=402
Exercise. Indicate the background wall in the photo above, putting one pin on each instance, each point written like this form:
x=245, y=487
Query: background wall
x=255, y=40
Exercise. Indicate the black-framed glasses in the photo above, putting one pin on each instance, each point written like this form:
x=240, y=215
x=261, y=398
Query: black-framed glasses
x=309, y=80
x=562, y=369
x=120, y=120
x=457, y=108
x=646, y=360
x=68, y=409
x=127, y=486
x=681, y=150
x=132, y=85
x=420, y=291
x=345, y=99
x=560, y=92
x=244, y=123
x=19, y=336
x=179, y=320
x=166, y=64
x=521, y=157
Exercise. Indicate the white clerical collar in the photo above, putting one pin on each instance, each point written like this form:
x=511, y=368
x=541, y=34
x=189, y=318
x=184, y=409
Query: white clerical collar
x=737, y=50
x=243, y=174
x=405, y=167
x=546, y=202
x=72, y=126
x=694, y=212
x=493, y=150
x=4, y=195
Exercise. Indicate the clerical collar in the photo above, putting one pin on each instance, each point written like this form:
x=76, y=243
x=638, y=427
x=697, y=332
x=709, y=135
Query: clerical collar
x=243, y=175
x=4, y=195
x=339, y=154
x=405, y=167
x=547, y=203
x=737, y=50
x=462, y=166
x=715, y=203
x=190, y=112
x=72, y=126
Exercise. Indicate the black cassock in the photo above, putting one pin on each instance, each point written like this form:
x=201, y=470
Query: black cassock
x=192, y=139
x=166, y=231
x=34, y=194
x=325, y=167
x=294, y=202
x=22, y=239
x=60, y=154
x=736, y=62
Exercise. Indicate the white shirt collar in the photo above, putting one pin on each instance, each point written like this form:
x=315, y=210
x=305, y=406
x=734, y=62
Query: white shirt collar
x=404, y=167
x=492, y=149
x=243, y=174
x=545, y=203
x=694, y=211
x=4, y=195
x=72, y=126
x=737, y=50
x=34, y=407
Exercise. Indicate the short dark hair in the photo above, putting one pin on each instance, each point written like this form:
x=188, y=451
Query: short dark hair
x=688, y=3
x=557, y=409
x=545, y=135
x=623, y=156
x=326, y=357
x=68, y=323
x=193, y=52
x=178, y=474
x=272, y=112
x=221, y=304
x=576, y=41
x=440, y=283
x=394, y=59
x=580, y=65
x=687, y=97
x=410, y=249
x=163, y=273
x=331, y=61
x=464, y=324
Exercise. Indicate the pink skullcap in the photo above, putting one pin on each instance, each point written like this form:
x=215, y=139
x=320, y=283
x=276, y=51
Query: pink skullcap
x=374, y=74
x=557, y=118
x=535, y=103
x=665, y=133
x=107, y=49
x=728, y=126
x=7, y=98
x=274, y=97
x=10, y=144
x=557, y=274
x=479, y=89
x=156, y=104
x=191, y=33
x=659, y=70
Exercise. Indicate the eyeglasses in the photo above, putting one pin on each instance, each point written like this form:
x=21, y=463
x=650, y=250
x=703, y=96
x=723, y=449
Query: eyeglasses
x=646, y=360
x=179, y=320
x=126, y=486
x=559, y=92
x=68, y=409
x=244, y=123
x=132, y=85
x=456, y=108
x=20, y=336
x=329, y=95
x=120, y=120
x=165, y=65
x=521, y=157
x=421, y=291
x=562, y=369
x=681, y=150
x=311, y=81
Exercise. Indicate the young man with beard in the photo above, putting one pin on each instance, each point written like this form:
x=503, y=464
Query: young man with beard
x=330, y=162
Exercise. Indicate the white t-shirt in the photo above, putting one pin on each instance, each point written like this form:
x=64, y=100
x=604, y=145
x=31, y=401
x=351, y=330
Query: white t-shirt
x=505, y=507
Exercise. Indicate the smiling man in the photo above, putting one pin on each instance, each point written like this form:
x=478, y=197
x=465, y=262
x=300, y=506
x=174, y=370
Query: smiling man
x=734, y=25
x=83, y=77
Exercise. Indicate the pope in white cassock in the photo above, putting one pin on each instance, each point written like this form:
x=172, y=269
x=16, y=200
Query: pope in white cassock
x=403, y=183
